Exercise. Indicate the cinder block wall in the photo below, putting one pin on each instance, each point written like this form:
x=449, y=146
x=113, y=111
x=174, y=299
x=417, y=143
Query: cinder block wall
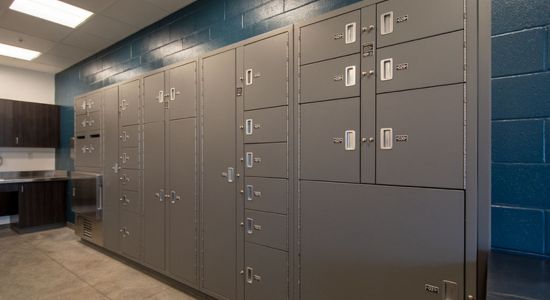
x=521, y=126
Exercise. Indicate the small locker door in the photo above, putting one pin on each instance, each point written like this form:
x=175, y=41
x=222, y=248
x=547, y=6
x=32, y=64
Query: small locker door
x=268, y=229
x=80, y=106
x=266, y=194
x=266, y=125
x=182, y=225
x=266, y=273
x=182, y=91
x=421, y=140
x=154, y=98
x=81, y=151
x=130, y=231
x=266, y=72
x=266, y=160
x=94, y=149
x=129, y=136
x=129, y=158
x=154, y=195
x=130, y=201
x=129, y=103
x=329, y=140
x=219, y=189
x=130, y=179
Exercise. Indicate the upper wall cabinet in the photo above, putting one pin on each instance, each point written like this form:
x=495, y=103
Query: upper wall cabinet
x=26, y=124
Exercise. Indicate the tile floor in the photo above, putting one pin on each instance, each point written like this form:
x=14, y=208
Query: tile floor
x=54, y=264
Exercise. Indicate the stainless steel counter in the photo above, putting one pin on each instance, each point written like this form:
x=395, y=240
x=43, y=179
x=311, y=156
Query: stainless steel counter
x=32, y=176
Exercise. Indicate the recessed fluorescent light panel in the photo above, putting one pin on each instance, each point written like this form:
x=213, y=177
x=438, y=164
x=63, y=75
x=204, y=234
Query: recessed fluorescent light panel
x=16, y=52
x=53, y=11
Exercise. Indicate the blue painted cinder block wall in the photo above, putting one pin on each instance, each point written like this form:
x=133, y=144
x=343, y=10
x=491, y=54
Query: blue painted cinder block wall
x=521, y=91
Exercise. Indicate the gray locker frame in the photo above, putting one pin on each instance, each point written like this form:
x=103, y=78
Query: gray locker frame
x=477, y=31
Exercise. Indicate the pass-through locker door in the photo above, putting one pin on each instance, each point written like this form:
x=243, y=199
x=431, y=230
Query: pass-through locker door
x=266, y=65
x=154, y=98
x=266, y=194
x=329, y=150
x=182, y=91
x=266, y=273
x=129, y=103
x=219, y=203
x=266, y=160
x=266, y=125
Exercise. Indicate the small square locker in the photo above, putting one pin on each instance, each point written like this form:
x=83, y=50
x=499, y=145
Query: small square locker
x=130, y=201
x=88, y=104
x=80, y=105
x=129, y=103
x=329, y=140
x=330, y=38
x=266, y=125
x=129, y=158
x=130, y=179
x=129, y=136
x=266, y=160
x=266, y=67
x=88, y=150
x=332, y=79
x=182, y=91
x=421, y=137
x=266, y=194
x=266, y=273
x=401, y=21
x=130, y=231
x=88, y=122
x=268, y=229
x=428, y=62
x=81, y=151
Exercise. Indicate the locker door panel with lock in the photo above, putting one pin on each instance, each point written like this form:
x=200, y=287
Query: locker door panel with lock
x=130, y=179
x=182, y=256
x=129, y=158
x=329, y=149
x=129, y=136
x=182, y=91
x=266, y=273
x=130, y=201
x=266, y=65
x=219, y=223
x=266, y=125
x=154, y=97
x=154, y=195
x=129, y=103
x=130, y=231
x=266, y=160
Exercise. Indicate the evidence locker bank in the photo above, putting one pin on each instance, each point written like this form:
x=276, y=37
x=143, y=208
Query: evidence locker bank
x=343, y=157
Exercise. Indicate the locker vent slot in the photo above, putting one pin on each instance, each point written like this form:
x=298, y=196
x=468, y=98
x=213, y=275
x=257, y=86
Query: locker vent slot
x=386, y=23
x=386, y=69
x=87, y=229
x=351, y=32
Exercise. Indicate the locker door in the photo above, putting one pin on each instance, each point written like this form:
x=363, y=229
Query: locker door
x=268, y=229
x=129, y=103
x=130, y=179
x=219, y=190
x=129, y=136
x=266, y=125
x=425, y=132
x=266, y=160
x=80, y=106
x=154, y=195
x=329, y=149
x=182, y=238
x=130, y=231
x=154, y=98
x=182, y=91
x=129, y=158
x=266, y=194
x=130, y=201
x=111, y=234
x=266, y=72
x=376, y=242
x=266, y=273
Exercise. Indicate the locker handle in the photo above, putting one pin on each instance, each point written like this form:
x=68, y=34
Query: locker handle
x=123, y=104
x=230, y=174
x=386, y=68
x=248, y=77
x=249, y=159
x=160, y=195
x=172, y=94
x=450, y=290
x=386, y=138
x=249, y=275
x=350, y=76
x=249, y=192
x=351, y=30
x=160, y=98
x=249, y=226
x=349, y=140
x=249, y=124
x=386, y=23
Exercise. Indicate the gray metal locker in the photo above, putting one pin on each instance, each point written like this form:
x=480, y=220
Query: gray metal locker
x=130, y=179
x=329, y=140
x=266, y=65
x=80, y=105
x=88, y=150
x=268, y=229
x=154, y=195
x=266, y=194
x=433, y=61
x=182, y=91
x=130, y=201
x=129, y=136
x=266, y=125
x=334, y=37
x=401, y=21
x=182, y=255
x=81, y=151
x=376, y=242
x=129, y=158
x=130, y=232
x=154, y=98
x=266, y=273
x=332, y=79
x=219, y=223
x=421, y=137
x=111, y=234
x=266, y=160
x=129, y=103
x=88, y=122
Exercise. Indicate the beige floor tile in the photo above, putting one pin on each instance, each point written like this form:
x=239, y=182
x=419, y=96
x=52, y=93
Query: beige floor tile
x=171, y=294
x=86, y=292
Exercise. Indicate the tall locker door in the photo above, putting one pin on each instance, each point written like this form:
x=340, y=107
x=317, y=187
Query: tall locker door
x=182, y=89
x=266, y=80
x=111, y=234
x=154, y=195
x=219, y=188
x=368, y=95
x=182, y=230
x=129, y=103
x=154, y=97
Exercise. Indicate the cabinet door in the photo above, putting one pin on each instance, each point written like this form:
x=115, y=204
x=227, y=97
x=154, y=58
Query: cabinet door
x=41, y=203
x=266, y=125
x=7, y=122
x=153, y=195
x=129, y=103
x=182, y=237
x=268, y=229
x=50, y=127
x=154, y=98
x=266, y=160
x=130, y=231
x=27, y=118
x=266, y=273
x=219, y=192
x=183, y=91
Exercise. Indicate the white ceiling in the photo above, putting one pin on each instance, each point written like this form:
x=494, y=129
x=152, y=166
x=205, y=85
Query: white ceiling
x=62, y=46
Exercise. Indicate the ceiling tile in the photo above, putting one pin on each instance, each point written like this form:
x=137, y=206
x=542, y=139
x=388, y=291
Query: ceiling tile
x=30, y=65
x=33, y=26
x=93, y=6
x=107, y=28
x=24, y=41
x=69, y=51
x=171, y=5
x=56, y=61
x=139, y=15
x=86, y=41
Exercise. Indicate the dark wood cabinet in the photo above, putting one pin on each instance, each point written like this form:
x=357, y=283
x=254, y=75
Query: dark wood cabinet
x=41, y=204
x=27, y=124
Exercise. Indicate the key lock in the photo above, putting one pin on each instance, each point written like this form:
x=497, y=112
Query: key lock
x=124, y=137
x=251, y=277
x=123, y=105
x=124, y=158
x=171, y=95
x=174, y=197
x=125, y=232
x=124, y=200
x=124, y=179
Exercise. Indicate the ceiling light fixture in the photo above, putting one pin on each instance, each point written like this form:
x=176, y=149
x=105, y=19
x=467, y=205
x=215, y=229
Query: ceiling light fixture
x=16, y=52
x=53, y=11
